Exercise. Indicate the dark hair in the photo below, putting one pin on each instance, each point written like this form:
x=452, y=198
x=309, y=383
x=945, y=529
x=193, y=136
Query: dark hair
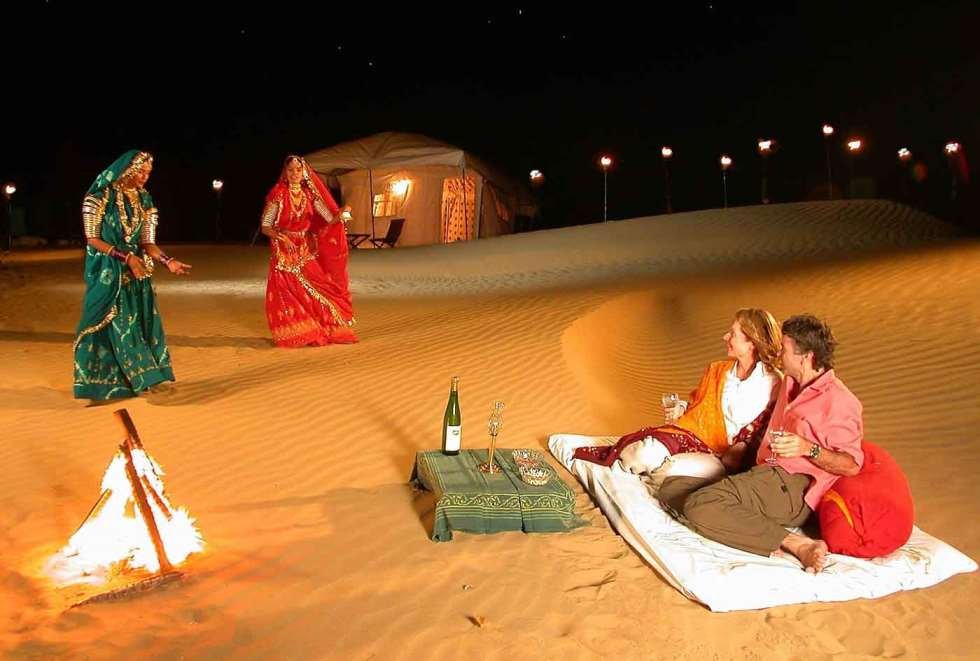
x=812, y=335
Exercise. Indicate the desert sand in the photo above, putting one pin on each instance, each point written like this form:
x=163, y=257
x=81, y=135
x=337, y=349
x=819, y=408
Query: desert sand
x=296, y=462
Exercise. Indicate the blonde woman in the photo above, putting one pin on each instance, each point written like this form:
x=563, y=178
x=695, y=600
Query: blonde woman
x=727, y=413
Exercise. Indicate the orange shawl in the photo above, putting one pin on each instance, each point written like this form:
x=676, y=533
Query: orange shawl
x=704, y=417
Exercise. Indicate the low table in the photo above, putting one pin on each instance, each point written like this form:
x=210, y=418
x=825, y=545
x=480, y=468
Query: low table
x=467, y=500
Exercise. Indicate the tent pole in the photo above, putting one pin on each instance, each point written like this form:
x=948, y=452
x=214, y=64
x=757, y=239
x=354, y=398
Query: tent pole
x=371, y=199
x=466, y=221
x=479, y=206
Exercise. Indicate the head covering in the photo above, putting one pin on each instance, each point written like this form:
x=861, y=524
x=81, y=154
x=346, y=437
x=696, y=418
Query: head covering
x=311, y=182
x=121, y=168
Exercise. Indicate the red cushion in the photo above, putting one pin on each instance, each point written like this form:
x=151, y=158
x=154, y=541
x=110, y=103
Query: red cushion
x=870, y=514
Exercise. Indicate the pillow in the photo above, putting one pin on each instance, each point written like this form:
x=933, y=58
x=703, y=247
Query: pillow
x=643, y=456
x=869, y=514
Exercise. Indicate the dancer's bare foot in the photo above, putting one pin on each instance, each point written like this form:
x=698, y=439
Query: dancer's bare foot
x=811, y=552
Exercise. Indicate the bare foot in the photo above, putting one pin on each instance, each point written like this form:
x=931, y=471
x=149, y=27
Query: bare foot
x=812, y=553
x=813, y=556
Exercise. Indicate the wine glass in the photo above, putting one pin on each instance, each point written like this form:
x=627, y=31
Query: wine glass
x=774, y=434
x=670, y=402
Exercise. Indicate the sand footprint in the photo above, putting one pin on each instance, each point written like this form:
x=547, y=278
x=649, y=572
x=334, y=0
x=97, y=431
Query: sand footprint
x=589, y=584
x=854, y=632
x=608, y=636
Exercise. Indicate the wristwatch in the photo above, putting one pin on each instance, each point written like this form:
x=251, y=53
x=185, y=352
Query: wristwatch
x=814, y=451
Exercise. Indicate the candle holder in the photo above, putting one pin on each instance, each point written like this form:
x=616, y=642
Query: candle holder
x=493, y=427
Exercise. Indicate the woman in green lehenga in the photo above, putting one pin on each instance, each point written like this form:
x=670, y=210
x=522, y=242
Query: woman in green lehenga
x=119, y=347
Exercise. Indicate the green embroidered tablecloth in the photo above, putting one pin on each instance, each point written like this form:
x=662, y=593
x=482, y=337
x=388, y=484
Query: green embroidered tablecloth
x=470, y=501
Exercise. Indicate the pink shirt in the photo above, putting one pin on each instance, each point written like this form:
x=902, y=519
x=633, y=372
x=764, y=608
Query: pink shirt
x=826, y=413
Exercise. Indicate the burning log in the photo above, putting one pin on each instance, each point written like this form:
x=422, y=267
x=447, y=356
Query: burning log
x=131, y=527
x=145, y=511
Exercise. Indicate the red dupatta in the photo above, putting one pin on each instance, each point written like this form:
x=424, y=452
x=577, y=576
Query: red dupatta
x=331, y=237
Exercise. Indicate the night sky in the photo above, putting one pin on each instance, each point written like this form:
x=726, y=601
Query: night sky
x=214, y=90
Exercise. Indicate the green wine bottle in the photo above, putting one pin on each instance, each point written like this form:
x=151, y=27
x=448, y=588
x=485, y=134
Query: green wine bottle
x=452, y=433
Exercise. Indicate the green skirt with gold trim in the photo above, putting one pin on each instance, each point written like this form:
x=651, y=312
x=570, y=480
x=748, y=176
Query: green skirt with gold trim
x=125, y=351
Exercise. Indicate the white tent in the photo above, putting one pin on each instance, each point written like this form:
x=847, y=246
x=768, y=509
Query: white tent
x=443, y=193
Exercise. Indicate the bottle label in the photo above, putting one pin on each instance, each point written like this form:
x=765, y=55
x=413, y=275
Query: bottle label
x=454, y=436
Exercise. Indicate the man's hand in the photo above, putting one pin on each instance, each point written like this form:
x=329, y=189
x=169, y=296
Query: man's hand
x=789, y=445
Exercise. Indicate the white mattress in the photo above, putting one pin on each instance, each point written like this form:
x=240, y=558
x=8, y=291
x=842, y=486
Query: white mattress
x=726, y=579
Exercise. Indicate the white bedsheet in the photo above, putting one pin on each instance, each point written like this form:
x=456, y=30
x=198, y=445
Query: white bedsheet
x=726, y=579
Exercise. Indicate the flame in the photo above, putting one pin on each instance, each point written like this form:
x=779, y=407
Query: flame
x=114, y=538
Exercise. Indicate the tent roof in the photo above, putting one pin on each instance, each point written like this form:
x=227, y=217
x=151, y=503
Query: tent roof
x=393, y=150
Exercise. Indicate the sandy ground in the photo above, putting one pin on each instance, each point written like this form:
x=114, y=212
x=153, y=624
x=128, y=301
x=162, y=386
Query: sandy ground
x=295, y=462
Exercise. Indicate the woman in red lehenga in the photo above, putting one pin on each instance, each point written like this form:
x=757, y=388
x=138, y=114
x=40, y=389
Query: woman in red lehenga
x=307, y=299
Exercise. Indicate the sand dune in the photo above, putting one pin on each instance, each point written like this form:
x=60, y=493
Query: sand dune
x=295, y=462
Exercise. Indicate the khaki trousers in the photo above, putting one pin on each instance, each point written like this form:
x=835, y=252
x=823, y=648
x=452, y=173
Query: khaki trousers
x=747, y=511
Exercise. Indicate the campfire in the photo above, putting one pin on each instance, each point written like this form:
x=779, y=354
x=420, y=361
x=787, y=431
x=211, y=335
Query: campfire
x=133, y=531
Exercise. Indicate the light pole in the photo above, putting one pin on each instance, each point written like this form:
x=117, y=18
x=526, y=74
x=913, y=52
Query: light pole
x=605, y=162
x=9, y=189
x=726, y=162
x=854, y=147
x=217, y=185
x=904, y=159
x=828, y=131
x=765, y=148
x=536, y=178
x=667, y=153
x=953, y=150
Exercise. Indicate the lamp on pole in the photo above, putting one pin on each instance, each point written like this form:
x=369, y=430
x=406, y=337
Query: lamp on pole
x=605, y=162
x=726, y=162
x=828, y=131
x=217, y=185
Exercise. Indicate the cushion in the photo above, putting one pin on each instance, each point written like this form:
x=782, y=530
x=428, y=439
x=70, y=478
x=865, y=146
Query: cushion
x=869, y=514
x=686, y=464
x=644, y=456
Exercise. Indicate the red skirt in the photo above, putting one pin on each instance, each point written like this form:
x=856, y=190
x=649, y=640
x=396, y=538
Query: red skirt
x=304, y=304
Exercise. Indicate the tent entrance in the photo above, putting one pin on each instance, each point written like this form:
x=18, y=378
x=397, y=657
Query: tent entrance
x=458, y=208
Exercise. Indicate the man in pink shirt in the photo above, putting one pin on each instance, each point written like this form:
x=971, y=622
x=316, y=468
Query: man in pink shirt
x=814, y=437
